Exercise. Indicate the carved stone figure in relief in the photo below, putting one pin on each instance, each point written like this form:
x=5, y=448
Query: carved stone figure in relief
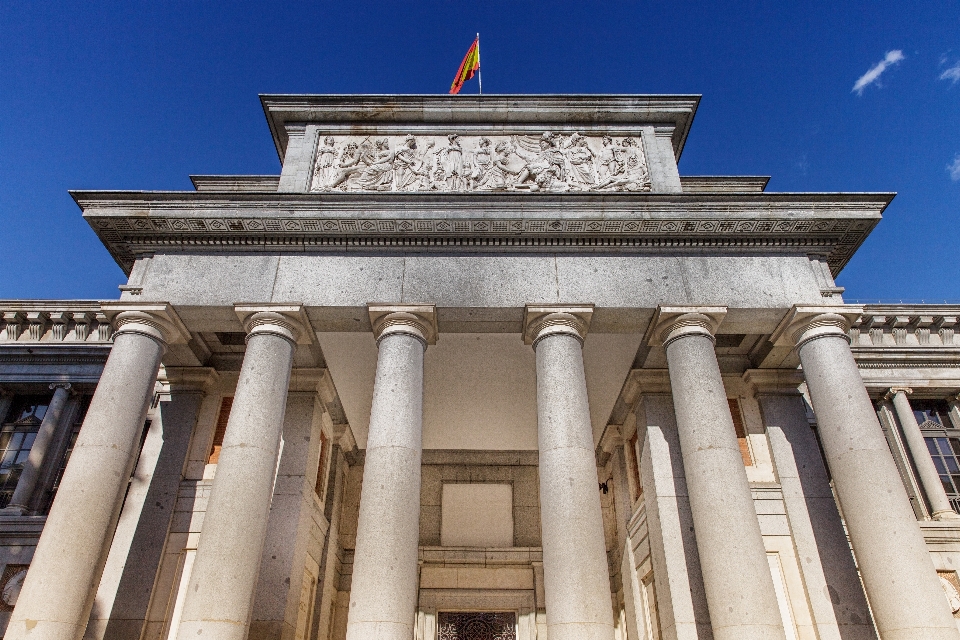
x=544, y=170
x=482, y=166
x=326, y=161
x=451, y=160
x=378, y=175
x=632, y=174
x=610, y=164
x=581, y=161
x=348, y=166
x=411, y=167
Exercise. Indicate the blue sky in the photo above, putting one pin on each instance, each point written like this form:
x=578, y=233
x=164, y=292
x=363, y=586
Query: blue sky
x=133, y=95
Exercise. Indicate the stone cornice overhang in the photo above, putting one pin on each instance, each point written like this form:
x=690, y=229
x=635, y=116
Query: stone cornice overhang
x=139, y=223
x=496, y=110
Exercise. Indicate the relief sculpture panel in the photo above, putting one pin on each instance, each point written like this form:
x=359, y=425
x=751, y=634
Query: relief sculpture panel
x=552, y=162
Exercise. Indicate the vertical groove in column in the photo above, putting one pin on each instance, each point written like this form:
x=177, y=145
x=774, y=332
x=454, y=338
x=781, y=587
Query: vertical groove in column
x=898, y=574
x=220, y=592
x=383, y=595
x=58, y=592
x=736, y=575
x=576, y=576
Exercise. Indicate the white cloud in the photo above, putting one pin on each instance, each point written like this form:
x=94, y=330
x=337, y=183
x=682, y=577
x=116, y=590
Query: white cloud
x=952, y=74
x=954, y=168
x=873, y=75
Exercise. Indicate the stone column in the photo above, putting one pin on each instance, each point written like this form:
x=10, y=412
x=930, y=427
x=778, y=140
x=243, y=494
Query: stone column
x=219, y=595
x=383, y=593
x=901, y=583
x=929, y=476
x=60, y=586
x=575, y=573
x=736, y=575
x=46, y=435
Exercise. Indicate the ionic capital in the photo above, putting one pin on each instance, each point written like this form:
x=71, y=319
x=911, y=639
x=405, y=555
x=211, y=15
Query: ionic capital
x=543, y=320
x=895, y=390
x=286, y=321
x=416, y=320
x=66, y=386
x=803, y=324
x=671, y=323
x=158, y=321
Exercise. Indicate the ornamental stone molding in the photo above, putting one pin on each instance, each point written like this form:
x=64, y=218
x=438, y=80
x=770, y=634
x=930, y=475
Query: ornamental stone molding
x=289, y=321
x=133, y=224
x=774, y=382
x=544, y=320
x=159, y=321
x=417, y=320
x=670, y=323
x=804, y=323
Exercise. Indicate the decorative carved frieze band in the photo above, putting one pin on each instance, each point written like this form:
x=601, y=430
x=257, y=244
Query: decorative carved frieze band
x=53, y=322
x=551, y=162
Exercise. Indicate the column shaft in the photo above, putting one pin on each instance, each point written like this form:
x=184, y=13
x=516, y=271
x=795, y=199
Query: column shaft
x=46, y=436
x=898, y=575
x=929, y=477
x=383, y=595
x=575, y=572
x=60, y=586
x=736, y=575
x=220, y=592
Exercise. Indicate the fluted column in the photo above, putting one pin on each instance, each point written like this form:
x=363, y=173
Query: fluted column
x=60, y=586
x=736, y=574
x=575, y=574
x=898, y=575
x=219, y=595
x=38, y=456
x=383, y=593
x=929, y=476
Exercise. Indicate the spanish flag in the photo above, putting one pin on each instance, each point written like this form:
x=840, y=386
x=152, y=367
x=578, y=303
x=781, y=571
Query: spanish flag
x=469, y=66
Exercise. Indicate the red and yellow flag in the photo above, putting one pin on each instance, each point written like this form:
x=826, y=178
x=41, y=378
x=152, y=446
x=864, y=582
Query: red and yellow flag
x=469, y=66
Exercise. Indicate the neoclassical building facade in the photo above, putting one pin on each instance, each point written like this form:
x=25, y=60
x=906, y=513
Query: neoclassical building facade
x=479, y=368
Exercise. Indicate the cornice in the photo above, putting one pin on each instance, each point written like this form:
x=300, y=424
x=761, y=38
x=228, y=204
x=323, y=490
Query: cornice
x=447, y=111
x=134, y=223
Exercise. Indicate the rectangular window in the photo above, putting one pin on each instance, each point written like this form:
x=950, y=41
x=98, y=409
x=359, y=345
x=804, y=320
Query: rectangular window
x=225, y=405
x=738, y=426
x=945, y=452
x=634, y=464
x=321, y=466
x=16, y=439
x=933, y=411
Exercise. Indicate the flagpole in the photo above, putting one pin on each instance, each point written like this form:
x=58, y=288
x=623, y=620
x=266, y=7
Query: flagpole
x=479, y=69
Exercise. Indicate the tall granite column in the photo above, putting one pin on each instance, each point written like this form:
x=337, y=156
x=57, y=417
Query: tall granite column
x=38, y=456
x=219, y=596
x=60, y=586
x=383, y=593
x=940, y=507
x=736, y=574
x=575, y=573
x=898, y=574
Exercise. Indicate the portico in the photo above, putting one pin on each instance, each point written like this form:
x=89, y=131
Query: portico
x=393, y=404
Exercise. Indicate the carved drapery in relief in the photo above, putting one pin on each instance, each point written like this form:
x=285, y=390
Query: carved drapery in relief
x=552, y=162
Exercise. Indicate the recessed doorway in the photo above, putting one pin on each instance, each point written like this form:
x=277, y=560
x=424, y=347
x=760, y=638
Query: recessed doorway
x=479, y=625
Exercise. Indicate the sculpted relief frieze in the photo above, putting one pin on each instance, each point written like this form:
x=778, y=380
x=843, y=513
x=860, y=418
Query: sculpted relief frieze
x=552, y=162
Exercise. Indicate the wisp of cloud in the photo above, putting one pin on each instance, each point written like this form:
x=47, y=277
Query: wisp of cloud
x=873, y=75
x=952, y=74
x=954, y=168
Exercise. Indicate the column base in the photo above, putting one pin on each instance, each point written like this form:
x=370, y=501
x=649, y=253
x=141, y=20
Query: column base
x=15, y=512
x=938, y=515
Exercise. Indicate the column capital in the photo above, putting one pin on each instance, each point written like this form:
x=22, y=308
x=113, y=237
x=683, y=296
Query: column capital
x=542, y=320
x=159, y=320
x=66, y=386
x=416, y=320
x=805, y=323
x=670, y=323
x=895, y=390
x=288, y=321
